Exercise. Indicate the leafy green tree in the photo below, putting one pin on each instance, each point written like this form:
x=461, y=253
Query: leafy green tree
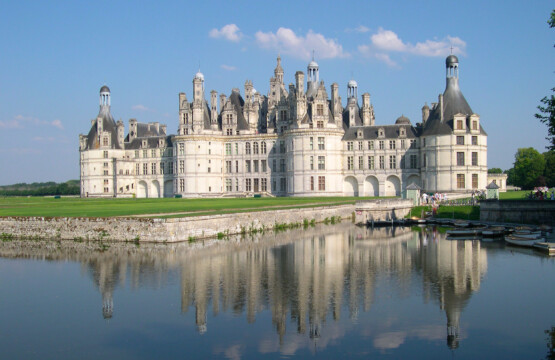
x=510, y=176
x=529, y=166
x=547, y=110
x=549, y=172
x=495, y=171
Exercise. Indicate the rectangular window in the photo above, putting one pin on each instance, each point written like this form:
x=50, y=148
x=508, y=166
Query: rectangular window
x=248, y=166
x=236, y=166
x=320, y=124
x=393, y=162
x=460, y=159
x=181, y=185
x=474, y=125
x=321, y=143
x=349, y=146
x=264, y=184
x=382, y=162
x=263, y=166
x=105, y=164
x=320, y=110
x=228, y=185
x=475, y=181
x=312, y=163
x=255, y=165
x=413, y=144
x=474, y=159
x=370, y=145
x=105, y=154
x=162, y=168
x=256, y=185
x=137, y=169
x=321, y=183
x=236, y=148
x=247, y=148
x=459, y=124
x=255, y=148
x=248, y=185
x=170, y=170
x=349, y=163
x=360, y=145
x=228, y=166
x=282, y=184
x=382, y=145
x=145, y=154
x=181, y=166
x=475, y=140
x=153, y=168
x=145, y=169
x=413, y=162
x=460, y=140
x=282, y=165
x=136, y=154
x=106, y=190
x=321, y=163
x=392, y=144
x=153, y=152
x=460, y=181
x=403, y=146
x=274, y=166
x=371, y=162
x=360, y=162
x=312, y=183
x=105, y=182
x=228, y=149
x=181, y=149
x=311, y=143
x=281, y=147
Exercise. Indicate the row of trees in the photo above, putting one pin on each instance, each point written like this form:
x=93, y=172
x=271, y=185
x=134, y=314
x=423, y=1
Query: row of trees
x=530, y=169
x=50, y=188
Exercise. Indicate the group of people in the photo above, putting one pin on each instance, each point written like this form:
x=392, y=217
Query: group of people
x=542, y=193
x=434, y=199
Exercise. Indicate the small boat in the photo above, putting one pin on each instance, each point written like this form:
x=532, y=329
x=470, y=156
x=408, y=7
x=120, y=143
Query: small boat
x=465, y=232
x=461, y=223
x=494, y=231
x=527, y=235
x=521, y=241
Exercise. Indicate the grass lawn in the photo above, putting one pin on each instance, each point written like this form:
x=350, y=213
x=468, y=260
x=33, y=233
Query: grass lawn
x=465, y=212
x=513, y=195
x=77, y=207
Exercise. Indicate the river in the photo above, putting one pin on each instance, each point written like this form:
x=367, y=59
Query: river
x=326, y=292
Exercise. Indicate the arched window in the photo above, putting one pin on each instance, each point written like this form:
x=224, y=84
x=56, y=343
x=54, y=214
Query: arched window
x=263, y=147
x=255, y=148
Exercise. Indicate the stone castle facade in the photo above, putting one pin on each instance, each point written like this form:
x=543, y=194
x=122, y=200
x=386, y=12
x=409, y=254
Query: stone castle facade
x=295, y=141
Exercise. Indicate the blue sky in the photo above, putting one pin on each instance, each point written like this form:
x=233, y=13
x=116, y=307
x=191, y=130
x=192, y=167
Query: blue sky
x=56, y=55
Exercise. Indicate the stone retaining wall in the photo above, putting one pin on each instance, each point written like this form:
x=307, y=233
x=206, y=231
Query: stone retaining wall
x=382, y=210
x=163, y=230
x=518, y=211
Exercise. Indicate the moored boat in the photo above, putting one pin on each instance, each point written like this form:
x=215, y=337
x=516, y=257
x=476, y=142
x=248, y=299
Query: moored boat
x=465, y=232
x=494, y=231
x=522, y=241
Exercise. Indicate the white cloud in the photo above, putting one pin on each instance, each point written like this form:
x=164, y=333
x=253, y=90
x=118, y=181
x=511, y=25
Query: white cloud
x=286, y=41
x=367, y=51
x=387, y=40
x=140, y=107
x=228, y=67
x=229, y=32
x=57, y=123
x=21, y=121
x=359, y=29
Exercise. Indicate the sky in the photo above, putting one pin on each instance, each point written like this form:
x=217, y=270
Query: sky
x=56, y=55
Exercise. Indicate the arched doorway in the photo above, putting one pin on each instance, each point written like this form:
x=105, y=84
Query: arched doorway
x=142, y=189
x=350, y=186
x=413, y=179
x=155, y=189
x=168, y=188
x=371, y=186
x=392, y=186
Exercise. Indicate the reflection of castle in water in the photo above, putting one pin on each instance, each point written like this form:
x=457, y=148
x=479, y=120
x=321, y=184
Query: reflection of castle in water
x=306, y=275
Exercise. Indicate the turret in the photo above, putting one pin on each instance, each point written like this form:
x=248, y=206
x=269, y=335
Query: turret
x=366, y=110
x=121, y=133
x=132, y=129
x=425, y=113
x=299, y=82
x=213, y=107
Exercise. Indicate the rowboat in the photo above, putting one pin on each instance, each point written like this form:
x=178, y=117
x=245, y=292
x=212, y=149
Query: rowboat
x=527, y=235
x=522, y=241
x=465, y=232
x=461, y=223
x=494, y=231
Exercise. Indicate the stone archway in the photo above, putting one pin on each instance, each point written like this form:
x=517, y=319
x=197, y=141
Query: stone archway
x=392, y=186
x=413, y=179
x=168, y=188
x=142, y=189
x=371, y=186
x=155, y=189
x=350, y=186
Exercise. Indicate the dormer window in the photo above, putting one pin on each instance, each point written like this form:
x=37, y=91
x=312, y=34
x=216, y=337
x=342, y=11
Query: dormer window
x=381, y=132
x=144, y=143
x=359, y=134
x=402, y=132
x=105, y=141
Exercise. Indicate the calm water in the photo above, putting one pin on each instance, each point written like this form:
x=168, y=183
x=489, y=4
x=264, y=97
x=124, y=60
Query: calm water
x=325, y=292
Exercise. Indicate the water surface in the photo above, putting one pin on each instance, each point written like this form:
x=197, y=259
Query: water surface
x=324, y=292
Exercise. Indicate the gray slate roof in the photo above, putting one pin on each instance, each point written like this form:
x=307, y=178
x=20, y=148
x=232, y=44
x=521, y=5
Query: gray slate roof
x=371, y=132
x=108, y=124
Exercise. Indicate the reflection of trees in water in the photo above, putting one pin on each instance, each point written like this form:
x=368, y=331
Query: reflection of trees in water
x=304, y=275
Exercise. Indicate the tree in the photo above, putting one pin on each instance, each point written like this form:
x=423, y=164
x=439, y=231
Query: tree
x=549, y=172
x=547, y=110
x=529, y=166
x=510, y=176
x=495, y=171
